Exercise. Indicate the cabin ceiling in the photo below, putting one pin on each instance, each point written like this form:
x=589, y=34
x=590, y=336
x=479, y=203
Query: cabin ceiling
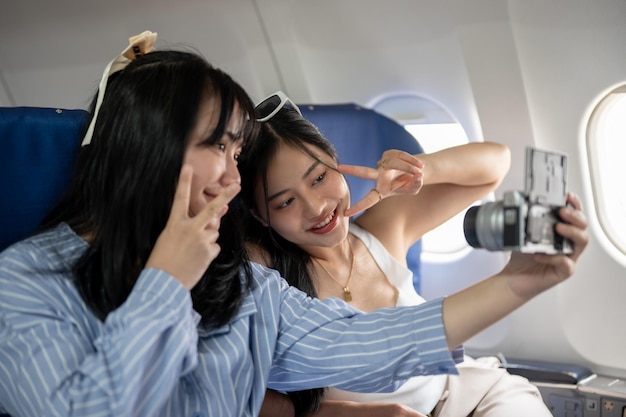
x=54, y=52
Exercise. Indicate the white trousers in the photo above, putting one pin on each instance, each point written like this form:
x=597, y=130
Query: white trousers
x=482, y=389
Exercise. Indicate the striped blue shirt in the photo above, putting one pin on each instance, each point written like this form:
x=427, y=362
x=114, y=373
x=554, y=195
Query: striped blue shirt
x=151, y=358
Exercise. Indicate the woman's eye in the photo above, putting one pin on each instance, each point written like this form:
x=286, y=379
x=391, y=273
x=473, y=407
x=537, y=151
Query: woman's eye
x=221, y=146
x=320, y=178
x=286, y=203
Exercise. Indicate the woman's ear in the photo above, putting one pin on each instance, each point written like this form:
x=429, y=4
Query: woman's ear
x=258, y=218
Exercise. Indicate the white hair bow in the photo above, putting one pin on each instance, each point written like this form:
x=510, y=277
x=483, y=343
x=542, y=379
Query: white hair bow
x=138, y=45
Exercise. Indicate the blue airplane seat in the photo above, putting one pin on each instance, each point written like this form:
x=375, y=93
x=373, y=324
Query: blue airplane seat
x=361, y=136
x=38, y=149
x=37, y=153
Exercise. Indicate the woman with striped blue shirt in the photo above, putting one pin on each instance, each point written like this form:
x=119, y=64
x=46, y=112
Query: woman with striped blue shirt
x=135, y=300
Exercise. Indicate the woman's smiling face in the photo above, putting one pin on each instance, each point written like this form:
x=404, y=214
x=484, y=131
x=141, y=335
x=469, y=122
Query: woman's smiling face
x=306, y=197
x=214, y=164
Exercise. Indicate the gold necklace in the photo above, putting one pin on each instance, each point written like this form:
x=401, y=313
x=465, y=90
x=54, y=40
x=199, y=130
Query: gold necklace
x=347, y=295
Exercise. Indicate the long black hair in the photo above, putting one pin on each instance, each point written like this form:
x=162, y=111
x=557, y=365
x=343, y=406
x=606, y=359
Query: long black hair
x=294, y=264
x=124, y=181
x=289, y=128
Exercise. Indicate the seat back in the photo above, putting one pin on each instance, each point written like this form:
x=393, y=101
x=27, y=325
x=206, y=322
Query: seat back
x=361, y=136
x=37, y=152
x=38, y=148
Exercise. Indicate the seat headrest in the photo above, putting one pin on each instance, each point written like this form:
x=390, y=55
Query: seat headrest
x=38, y=147
x=360, y=136
x=37, y=152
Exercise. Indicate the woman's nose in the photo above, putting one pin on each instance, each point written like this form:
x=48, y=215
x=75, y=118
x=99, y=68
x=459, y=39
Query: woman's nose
x=231, y=174
x=314, y=205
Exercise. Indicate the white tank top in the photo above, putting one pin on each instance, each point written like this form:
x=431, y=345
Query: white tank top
x=419, y=393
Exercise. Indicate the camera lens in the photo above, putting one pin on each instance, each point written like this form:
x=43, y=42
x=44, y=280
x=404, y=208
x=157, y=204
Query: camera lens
x=484, y=226
x=469, y=227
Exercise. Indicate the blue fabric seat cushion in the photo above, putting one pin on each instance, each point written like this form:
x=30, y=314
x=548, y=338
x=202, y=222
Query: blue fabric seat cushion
x=37, y=152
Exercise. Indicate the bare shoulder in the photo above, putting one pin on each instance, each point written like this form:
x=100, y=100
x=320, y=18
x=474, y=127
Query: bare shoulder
x=381, y=222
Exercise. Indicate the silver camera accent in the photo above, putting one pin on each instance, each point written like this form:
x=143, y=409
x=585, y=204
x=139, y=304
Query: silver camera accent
x=524, y=222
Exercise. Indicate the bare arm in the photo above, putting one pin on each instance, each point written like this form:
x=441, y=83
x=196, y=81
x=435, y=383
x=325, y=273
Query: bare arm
x=278, y=405
x=470, y=311
x=453, y=179
x=353, y=409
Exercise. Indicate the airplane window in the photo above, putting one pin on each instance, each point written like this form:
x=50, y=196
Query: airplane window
x=447, y=238
x=435, y=129
x=606, y=147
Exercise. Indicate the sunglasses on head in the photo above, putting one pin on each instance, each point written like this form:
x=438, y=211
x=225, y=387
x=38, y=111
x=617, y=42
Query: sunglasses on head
x=268, y=108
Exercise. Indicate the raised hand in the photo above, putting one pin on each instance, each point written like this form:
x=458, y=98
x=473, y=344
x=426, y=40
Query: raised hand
x=187, y=245
x=531, y=274
x=524, y=276
x=397, y=173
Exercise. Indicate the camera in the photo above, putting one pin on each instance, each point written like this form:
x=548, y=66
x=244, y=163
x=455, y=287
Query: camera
x=524, y=221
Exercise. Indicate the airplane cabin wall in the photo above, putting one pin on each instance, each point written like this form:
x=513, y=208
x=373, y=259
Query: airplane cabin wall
x=52, y=54
x=570, y=52
x=521, y=72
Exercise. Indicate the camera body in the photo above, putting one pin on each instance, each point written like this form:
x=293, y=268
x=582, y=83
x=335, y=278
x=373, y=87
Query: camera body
x=524, y=221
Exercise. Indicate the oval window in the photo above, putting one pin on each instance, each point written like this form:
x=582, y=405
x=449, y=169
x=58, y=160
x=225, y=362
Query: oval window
x=435, y=129
x=606, y=148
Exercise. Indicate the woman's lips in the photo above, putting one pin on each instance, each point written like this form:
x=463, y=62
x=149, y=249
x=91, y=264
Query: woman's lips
x=326, y=225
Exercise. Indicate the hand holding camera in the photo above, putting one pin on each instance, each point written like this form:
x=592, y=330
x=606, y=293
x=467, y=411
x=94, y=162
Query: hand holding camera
x=525, y=221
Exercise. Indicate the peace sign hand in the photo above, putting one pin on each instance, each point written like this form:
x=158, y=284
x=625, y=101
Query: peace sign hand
x=398, y=172
x=187, y=245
